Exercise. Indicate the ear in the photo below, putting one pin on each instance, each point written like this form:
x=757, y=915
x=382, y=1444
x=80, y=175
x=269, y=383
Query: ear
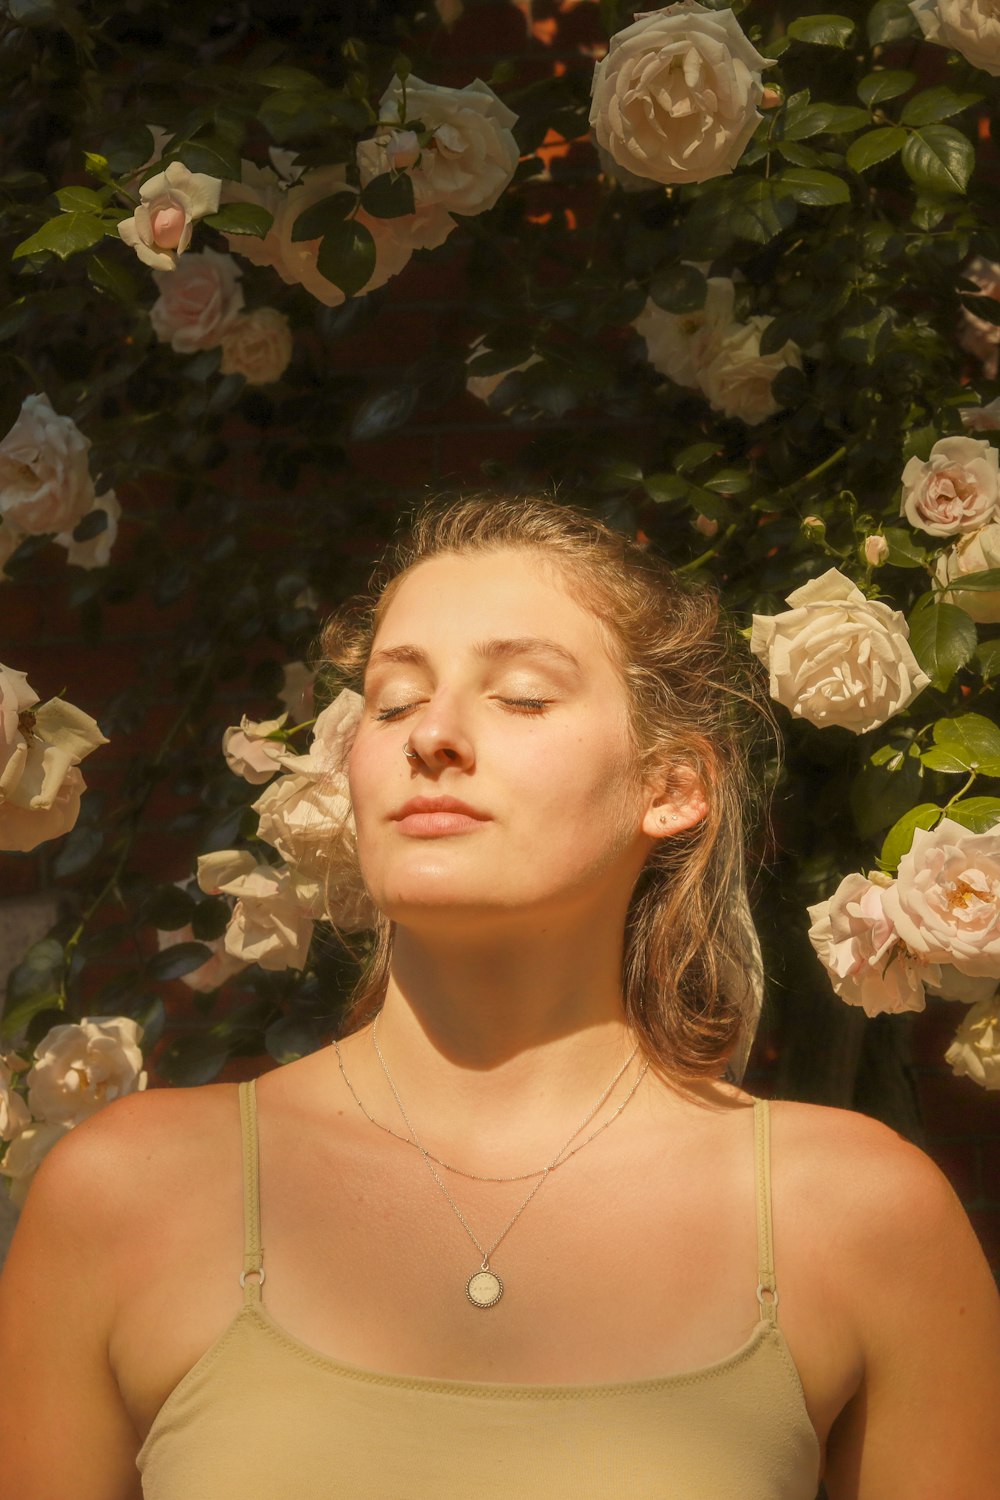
x=674, y=807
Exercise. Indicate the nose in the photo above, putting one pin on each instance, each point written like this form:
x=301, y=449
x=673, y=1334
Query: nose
x=439, y=737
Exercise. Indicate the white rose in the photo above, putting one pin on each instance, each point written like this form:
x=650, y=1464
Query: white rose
x=976, y=334
x=257, y=346
x=96, y=551
x=272, y=921
x=307, y=819
x=469, y=154
x=975, y=553
x=837, y=657
x=17, y=699
x=975, y=1052
x=41, y=798
x=957, y=488
x=738, y=380
x=45, y=482
x=675, y=99
x=197, y=302
x=981, y=418
x=945, y=903
x=333, y=735
x=14, y=1112
x=26, y=1153
x=297, y=690
x=160, y=229
x=249, y=752
x=971, y=27
x=81, y=1066
x=680, y=345
x=861, y=951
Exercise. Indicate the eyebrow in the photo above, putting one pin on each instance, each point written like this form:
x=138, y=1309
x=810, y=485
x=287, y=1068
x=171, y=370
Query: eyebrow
x=495, y=650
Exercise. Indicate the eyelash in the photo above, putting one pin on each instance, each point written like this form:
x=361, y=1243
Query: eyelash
x=523, y=705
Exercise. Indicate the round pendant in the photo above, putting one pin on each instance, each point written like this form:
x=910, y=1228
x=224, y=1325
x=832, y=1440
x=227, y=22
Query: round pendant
x=484, y=1288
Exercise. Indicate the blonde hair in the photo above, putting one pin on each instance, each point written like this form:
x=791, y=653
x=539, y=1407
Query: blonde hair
x=692, y=974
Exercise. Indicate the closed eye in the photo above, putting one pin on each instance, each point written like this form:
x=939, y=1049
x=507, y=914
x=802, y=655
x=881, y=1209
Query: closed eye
x=520, y=705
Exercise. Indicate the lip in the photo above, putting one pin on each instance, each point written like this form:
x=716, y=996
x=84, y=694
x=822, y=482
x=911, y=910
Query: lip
x=438, y=805
x=432, y=817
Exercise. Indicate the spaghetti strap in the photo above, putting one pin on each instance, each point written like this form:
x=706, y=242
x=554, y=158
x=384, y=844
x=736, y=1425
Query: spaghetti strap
x=762, y=1180
x=253, y=1253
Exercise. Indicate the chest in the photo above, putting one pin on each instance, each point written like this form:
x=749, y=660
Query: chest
x=609, y=1273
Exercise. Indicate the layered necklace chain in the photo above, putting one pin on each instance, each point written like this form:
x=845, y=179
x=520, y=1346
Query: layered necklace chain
x=484, y=1287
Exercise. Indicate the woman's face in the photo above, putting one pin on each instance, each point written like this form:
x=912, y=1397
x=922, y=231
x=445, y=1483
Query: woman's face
x=486, y=666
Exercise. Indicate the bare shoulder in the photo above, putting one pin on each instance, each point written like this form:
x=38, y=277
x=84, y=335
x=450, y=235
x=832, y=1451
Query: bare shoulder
x=922, y=1301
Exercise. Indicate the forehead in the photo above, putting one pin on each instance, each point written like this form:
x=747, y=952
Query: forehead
x=455, y=600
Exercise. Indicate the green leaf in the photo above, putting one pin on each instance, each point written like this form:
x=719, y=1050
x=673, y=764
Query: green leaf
x=875, y=146
x=283, y=77
x=759, y=211
x=169, y=908
x=80, y=199
x=16, y=1016
x=880, y=794
x=347, y=256
x=662, y=488
x=209, y=154
x=938, y=103
x=817, y=189
x=83, y=844
x=987, y=659
x=845, y=118
x=64, y=236
x=38, y=972
x=978, y=814
x=323, y=216
x=972, y=735
x=904, y=552
x=210, y=919
x=679, y=289
x=241, y=218
x=382, y=412
x=891, y=21
x=942, y=638
x=939, y=159
x=729, y=481
x=822, y=31
x=192, y=1060
x=799, y=155
x=987, y=308
x=988, y=580
x=900, y=835
x=181, y=958
x=885, y=83
x=389, y=196
x=691, y=458
x=109, y=277
x=291, y=1037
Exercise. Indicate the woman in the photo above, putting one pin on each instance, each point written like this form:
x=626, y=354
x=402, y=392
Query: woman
x=522, y=1236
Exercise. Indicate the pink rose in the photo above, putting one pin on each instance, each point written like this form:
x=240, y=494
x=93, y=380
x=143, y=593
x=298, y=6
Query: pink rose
x=980, y=337
x=45, y=482
x=945, y=903
x=198, y=301
x=161, y=227
x=257, y=346
x=861, y=950
x=956, y=489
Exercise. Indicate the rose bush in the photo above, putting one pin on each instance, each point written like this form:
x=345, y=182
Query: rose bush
x=160, y=230
x=956, y=489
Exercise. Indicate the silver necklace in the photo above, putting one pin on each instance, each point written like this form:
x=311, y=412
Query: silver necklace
x=484, y=1287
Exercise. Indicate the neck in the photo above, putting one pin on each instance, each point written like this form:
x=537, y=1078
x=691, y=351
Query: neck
x=505, y=1044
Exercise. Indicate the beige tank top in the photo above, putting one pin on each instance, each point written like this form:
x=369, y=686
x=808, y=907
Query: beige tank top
x=263, y=1416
